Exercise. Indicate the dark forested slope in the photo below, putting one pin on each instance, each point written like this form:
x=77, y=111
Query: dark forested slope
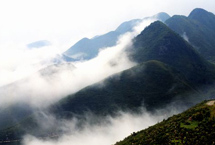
x=199, y=30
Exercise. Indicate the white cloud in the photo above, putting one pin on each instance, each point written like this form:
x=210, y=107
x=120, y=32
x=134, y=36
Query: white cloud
x=107, y=132
x=19, y=62
x=62, y=80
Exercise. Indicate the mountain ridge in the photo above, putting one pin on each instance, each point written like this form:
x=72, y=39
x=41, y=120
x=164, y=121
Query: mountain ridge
x=199, y=30
x=178, y=55
x=88, y=48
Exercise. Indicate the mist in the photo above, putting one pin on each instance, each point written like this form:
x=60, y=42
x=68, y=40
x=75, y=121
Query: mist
x=107, y=131
x=42, y=84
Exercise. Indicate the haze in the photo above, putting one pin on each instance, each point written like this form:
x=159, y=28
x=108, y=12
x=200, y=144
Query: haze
x=65, y=22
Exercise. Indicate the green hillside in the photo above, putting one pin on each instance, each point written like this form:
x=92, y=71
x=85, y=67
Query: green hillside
x=194, y=126
x=158, y=42
x=168, y=68
x=199, y=28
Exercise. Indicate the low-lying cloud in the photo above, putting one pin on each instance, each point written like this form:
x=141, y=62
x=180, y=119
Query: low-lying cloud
x=63, y=79
x=108, y=131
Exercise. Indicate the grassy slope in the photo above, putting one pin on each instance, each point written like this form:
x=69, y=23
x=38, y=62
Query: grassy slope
x=194, y=126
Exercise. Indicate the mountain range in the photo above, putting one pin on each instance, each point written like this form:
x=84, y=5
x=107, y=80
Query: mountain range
x=199, y=28
x=161, y=54
x=169, y=69
x=88, y=48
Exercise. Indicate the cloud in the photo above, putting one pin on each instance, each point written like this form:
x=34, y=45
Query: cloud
x=106, y=131
x=17, y=62
x=185, y=37
x=63, y=79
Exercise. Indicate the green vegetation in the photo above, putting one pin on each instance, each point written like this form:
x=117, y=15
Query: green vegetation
x=199, y=28
x=194, y=126
x=189, y=124
x=158, y=42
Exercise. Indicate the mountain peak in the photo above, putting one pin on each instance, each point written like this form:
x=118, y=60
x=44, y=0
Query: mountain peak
x=158, y=42
x=162, y=16
x=204, y=17
x=198, y=11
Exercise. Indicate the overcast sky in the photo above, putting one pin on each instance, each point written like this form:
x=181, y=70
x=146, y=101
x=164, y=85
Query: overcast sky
x=63, y=22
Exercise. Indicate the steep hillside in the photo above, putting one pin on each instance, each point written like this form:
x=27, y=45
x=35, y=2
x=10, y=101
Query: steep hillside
x=194, y=126
x=199, y=29
x=204, y=17
x=152, y=84
x=158, y=42
x=13, y=114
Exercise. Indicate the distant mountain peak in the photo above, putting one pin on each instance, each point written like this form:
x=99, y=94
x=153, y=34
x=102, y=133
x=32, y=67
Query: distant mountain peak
x=38, y=44
x=197, y=11
x=127, y=26
x=203, y=16
x=199, y=27
x=162, y=16
x=90, y=47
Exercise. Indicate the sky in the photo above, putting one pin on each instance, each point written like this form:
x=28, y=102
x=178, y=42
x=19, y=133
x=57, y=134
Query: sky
x=64, y=22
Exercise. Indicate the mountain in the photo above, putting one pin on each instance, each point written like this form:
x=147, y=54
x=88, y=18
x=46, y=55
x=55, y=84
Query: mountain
x=89, y=48
x=127, y=91
x=199, y=30
x=168, y=67
x=194, y=126
x=38, y=44
x=162, y=16
x=204, y=17
x=158, y=42
x=14, y=114
x=11, y=113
